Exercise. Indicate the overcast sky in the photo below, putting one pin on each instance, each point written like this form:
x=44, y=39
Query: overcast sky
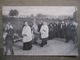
x=46, y=10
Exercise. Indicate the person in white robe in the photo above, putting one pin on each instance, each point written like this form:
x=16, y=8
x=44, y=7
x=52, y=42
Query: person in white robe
x=27, y=37
x=44, y=34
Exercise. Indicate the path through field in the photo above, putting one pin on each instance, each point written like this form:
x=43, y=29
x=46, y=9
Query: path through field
x=56, y=46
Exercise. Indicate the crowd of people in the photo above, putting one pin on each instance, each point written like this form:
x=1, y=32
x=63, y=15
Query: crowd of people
x=42, y=31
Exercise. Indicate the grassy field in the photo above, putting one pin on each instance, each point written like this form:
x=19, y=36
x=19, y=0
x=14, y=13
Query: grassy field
x=18, y=23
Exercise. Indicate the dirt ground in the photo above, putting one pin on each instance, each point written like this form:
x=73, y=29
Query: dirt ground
x=57, y=46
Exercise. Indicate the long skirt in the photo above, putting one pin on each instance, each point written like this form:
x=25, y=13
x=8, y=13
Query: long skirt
x=27, y=45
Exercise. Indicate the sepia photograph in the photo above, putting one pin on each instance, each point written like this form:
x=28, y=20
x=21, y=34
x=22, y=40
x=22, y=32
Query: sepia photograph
x=40, y=30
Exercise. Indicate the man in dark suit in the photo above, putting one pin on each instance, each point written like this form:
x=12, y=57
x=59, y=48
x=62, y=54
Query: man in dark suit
x=9, y=39
x=39, y=25
x=56, y=30
x=51, y=33
x=70, y=32
x=59, y=29
x=63, y=29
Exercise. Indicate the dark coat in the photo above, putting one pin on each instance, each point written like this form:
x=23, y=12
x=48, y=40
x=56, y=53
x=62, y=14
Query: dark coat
x=39, y=27
x=59, y=29
x=9, y=37
x=51, y=31
x=63, y=30
x=55, y=30
x=70, y=31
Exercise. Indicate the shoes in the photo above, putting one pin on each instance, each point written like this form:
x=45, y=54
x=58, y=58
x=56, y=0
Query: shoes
x=41, y=45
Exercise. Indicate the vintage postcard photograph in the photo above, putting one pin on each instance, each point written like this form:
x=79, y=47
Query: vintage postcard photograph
x=40, y=30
